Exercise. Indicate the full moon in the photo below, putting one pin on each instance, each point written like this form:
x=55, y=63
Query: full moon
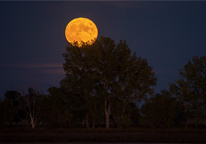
x=81, y=30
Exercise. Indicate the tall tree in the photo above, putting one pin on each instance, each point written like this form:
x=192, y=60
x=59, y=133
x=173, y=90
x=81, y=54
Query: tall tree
x=102, y=69
x=106, y=74
x=135, y=78
x=190, y=89
x=79, y=81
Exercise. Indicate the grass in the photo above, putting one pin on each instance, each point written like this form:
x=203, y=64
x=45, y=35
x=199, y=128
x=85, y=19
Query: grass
x=112, y=135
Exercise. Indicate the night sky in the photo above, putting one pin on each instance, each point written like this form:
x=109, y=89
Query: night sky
x=32, y=38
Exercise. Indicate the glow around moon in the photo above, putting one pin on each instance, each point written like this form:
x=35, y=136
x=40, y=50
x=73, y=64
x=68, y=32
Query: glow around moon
x=81, y=29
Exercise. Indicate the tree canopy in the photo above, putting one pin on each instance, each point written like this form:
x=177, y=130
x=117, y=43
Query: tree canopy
x=160, y=110
x=190, y=89
x=106, y=71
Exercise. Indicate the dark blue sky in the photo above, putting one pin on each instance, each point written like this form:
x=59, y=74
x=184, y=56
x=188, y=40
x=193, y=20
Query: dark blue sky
x=32, y=37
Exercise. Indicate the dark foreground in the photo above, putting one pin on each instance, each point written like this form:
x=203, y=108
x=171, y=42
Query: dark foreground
x=25, y=135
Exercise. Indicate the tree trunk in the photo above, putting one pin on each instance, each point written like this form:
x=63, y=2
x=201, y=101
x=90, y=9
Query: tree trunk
x=93, y=125
x=32, y=123
x=107, y=121
x=94, y=116
x=204, y=123
x=123, y=110
x=107, y=112
x=33, y=126
x=87, y=120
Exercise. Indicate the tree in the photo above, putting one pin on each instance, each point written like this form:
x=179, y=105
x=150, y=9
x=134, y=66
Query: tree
x=79, y=81
x=131, y=114
x=134, y=114
x=29, y=104
x=135, y=77
x=190, y=89
x=56, y=109
x=122, y=75
x=10, y=107
x=104, y=71
x=97, y=111
x=160, y=110
x=106, y=74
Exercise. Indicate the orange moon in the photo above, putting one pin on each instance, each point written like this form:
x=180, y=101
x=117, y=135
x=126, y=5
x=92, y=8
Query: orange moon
x=81, y=30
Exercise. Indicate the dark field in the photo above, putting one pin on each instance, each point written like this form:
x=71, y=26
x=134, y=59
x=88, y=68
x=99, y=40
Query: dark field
x=102, y=135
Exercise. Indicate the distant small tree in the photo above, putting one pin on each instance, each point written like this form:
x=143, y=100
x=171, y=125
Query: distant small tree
x=134, y=114
x=59, y=109
x=160, y=110
x=29, y=104
x=190, y=89
x=131, y=114
x=10, y=107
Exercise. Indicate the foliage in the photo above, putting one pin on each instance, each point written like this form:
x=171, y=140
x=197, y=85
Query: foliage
x=104, y=72
x=29, y=103
x=135, y=78
x=103, y=83
x=190, y=89
x=131, y=114
x=10, y=107
x=79, y=81
x=160, y=110
x=56, y=109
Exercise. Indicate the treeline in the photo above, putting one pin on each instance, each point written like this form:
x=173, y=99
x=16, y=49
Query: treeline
x=102, y=86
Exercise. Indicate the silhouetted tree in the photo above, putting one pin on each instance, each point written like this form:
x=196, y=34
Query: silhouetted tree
x=134, y=114
x=29, y=104
x=79, y=80
x=14, y=95
x=105, y=74
x=56, y=109
x=160, y=110
x=190, y=89
x=10, y=107
x=135, y=77
x=104, y=71
x=90, y=72
x=131, y=114
x=122, y=75
x=97, y=111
